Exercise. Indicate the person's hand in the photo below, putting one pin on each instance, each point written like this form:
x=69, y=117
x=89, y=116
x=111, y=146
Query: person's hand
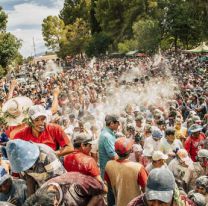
x=56, y=91
x=12, y=201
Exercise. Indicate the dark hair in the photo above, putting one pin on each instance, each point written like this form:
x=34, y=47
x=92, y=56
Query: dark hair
x=124, y=155
x=77, y=145
x=169, y=131
x=45, y=198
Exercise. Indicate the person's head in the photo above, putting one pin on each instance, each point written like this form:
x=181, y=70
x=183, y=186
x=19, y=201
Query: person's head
x=5, y=181
x=183, y=158
x=37, y=114
x=130, y=130
x=45, y=198
x=160, y=187
x=71, y=117
x=112, y=122
x=202, y=185
x=22, y=154
x=170, y=134
x=15, y=110
x=157, y=134
x=161, y=124
x=178, y=123
x=158, y=159
x=83, y=143
x=139, y=120
x=195, y=130
x=202, y=157
x=197, y=198
x=123, y=147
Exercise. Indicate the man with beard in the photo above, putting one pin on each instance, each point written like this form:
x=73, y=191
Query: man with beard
x=39, y=131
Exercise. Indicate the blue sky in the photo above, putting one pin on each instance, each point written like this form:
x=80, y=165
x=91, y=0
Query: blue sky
x=25, y=18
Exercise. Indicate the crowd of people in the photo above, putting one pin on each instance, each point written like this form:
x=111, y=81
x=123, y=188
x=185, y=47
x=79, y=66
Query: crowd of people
x=107, y=131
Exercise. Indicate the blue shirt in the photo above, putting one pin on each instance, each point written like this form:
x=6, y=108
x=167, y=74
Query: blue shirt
x=106, y=148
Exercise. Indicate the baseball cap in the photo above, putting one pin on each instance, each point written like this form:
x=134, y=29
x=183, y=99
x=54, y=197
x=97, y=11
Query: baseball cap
x=203, y=153
x=157, y=134
x=160, y=185
x=123, y=145
x=139, y=118
x=158, y=155
x=3, y=175
x=83, y=138
x=37, y=111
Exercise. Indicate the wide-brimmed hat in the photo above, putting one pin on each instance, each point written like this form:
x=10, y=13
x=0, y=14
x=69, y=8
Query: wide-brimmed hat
x=3, y=175
x=22, y=154
x=195, y=128
x=160, y=185
x=15, y=110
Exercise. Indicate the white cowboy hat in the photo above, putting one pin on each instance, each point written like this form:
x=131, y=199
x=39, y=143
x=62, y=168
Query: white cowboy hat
x=15, y=110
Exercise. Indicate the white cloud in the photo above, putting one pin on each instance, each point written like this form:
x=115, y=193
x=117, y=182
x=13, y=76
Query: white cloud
x=25, y=23
x=27, y=36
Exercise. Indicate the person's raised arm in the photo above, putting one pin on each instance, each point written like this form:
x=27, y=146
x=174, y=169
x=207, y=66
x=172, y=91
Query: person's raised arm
x=11, y=88
x=54, y=107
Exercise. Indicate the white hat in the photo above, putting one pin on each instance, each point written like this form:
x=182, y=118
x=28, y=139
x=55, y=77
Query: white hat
x=37, y=111
x=158, y=155
x=137, y=148
x=15, y=110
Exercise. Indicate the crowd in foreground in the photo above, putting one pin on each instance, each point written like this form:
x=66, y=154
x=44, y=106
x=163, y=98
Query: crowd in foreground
x=115, y=131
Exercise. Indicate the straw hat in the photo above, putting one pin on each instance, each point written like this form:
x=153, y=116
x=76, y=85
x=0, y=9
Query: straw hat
x=15, y=110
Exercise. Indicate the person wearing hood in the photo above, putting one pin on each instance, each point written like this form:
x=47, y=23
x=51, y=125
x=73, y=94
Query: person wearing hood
x=36, y=162
x=12, y=191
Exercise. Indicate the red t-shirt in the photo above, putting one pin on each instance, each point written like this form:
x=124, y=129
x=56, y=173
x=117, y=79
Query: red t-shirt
x=53, y=136
x=80, y=162
x=193, y=145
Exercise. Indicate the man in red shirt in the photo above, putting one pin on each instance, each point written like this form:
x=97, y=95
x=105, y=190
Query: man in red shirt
x=194, y=142
x=80, y=160
x=40, y=132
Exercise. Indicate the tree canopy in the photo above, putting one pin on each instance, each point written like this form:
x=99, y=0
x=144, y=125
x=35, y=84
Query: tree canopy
x=9, y=45
x=134, y=24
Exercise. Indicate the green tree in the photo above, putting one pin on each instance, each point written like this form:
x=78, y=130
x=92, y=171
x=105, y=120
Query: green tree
x=127, y=46
x=147, y=34
x=54, y=32
x=98, y=44
x=9, y=46
x=182, y=24
x=78, y=36
x=94, y=25
x=74, y=9
x=3, y=20
x=116, y=17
